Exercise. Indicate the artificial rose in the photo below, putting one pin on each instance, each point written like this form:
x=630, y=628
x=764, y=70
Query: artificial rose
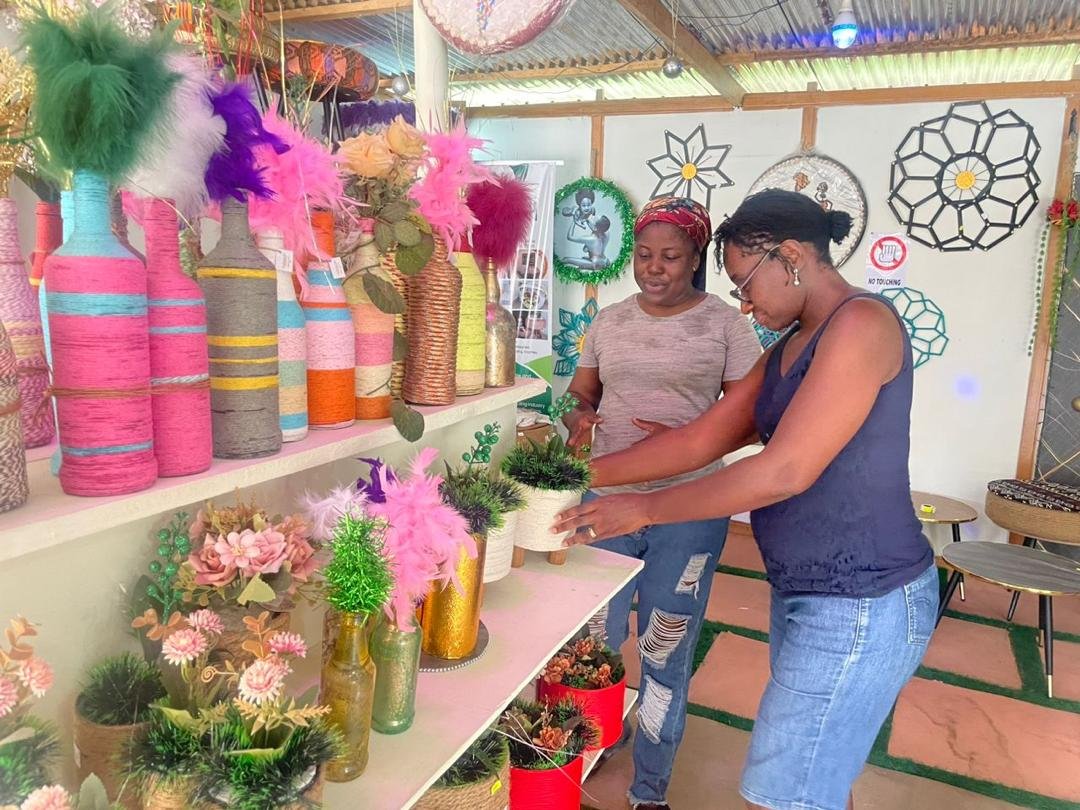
x=1055, y=212
x=405, y=139
x=210, y=569
x=1072, y=211
x=368, y=155
x=271, y=552
x=303, y=561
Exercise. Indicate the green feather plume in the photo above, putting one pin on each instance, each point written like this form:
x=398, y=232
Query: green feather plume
x=99, y=92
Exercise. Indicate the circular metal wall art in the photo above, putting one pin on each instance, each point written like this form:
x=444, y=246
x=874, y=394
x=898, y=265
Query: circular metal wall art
x=966, y=179
x=831, y=184
x=493, y=26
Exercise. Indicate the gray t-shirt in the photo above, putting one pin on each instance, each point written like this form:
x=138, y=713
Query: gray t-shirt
x=667, y=370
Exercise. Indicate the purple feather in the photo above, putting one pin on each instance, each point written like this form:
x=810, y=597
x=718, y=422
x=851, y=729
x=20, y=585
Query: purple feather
x=364, y=114
x=232, y=170
x=374, y=490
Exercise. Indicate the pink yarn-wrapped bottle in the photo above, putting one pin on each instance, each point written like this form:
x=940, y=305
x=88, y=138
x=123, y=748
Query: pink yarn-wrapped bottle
x=49, y=236
x=179, y=368
x=19, y=314
x=98, y=328
x=374, y=333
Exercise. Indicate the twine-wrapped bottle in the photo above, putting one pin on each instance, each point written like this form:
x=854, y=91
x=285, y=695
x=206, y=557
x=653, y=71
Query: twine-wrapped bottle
x=470, y=348
x=331, y=343
x=99, y=333
x=19, y=314
x=179, y=365
x=374, y=331
x=292, y=340
x=14, y=488
x=49, y=235
x=240, y=286
x=433, y=311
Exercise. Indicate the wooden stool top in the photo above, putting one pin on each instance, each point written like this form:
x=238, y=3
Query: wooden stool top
x=946, y=510
x=1017, y=568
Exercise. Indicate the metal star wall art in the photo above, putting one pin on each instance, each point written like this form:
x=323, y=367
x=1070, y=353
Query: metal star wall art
x=690, y=167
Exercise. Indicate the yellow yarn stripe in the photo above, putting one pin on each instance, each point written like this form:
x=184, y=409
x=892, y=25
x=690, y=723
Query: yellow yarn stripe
x=234, y=272
x=243, y=383
x=241, y=341
x=245, y=361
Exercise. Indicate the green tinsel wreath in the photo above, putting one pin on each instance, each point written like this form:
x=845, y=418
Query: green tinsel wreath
x=623, y=208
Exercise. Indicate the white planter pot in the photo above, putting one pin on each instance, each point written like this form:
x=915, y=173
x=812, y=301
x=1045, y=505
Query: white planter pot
x=500, y=549
x=535, y=521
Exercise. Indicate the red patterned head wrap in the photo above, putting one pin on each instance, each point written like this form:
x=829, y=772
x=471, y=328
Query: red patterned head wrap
x=681, y=212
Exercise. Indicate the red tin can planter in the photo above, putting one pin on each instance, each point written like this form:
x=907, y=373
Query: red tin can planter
x=552, y=789
x=603, y=706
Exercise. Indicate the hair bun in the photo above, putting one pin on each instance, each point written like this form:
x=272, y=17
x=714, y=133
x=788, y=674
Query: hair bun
x=839, y=225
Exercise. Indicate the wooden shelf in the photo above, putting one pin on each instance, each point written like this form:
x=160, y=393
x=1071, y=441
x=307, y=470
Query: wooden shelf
x=530, y=614
x=51, y=518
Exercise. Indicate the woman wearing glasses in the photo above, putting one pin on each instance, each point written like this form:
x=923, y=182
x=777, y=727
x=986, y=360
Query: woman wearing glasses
x=854, y=589
x=663, y=355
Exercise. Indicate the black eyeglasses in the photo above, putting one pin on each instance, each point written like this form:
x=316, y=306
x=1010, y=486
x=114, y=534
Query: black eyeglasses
x=738, y=293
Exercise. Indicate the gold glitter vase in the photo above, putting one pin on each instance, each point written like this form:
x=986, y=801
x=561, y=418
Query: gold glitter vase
x=348, y=688
x=451, y=618
x=396, y=653
x=500, y=335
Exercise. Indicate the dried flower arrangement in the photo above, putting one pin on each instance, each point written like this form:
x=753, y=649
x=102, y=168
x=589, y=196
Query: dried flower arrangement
x=585, y=662
x=545, y=737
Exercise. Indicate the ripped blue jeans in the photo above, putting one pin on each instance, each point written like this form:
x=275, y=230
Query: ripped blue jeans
x=672, y=592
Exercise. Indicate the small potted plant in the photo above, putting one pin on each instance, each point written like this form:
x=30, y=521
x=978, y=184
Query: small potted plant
x=546, y=747
x=589, y=672
x=553, y=480
x=162, y=763
x=28, y=745
x=478, y=780
x=113, y=708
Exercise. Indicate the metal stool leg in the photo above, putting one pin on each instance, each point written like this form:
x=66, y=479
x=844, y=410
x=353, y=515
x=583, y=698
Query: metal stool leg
x=950, y=589
x=1046, y=605
x=1030, y=543
x=956, y=539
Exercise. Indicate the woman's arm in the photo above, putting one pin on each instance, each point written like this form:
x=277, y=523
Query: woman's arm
x=854, y=358
x=725, y=427
x=587, y=389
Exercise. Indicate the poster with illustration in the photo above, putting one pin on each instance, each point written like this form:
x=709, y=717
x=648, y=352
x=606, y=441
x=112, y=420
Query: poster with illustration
x=594, y=225
x=527, y=287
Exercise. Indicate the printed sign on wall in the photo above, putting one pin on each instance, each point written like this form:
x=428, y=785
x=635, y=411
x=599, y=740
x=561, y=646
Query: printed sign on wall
x=886, y=264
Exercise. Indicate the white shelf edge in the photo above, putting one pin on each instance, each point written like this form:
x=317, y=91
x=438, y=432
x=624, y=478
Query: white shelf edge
x=67, y=518
x=593, y=757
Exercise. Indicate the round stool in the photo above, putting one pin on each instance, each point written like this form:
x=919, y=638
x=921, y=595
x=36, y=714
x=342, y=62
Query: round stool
x=938, y=510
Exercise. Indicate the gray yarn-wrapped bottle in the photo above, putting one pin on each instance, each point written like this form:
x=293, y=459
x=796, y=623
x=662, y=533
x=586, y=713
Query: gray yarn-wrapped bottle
x=240, y=286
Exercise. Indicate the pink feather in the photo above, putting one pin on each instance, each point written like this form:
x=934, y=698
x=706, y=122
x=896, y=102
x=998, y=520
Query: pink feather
x=324, y=514
x=424, y=538
x=449, y=169
x=307, y=176
x=504, y=210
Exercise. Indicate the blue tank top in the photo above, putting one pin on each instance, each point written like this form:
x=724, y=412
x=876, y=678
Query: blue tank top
x=853, y=532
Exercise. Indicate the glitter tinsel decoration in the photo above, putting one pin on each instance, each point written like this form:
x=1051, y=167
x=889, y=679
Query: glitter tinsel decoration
x=358, y=576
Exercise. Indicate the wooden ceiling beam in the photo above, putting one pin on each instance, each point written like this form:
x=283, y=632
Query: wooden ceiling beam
x=351, y=10
x=654, y=15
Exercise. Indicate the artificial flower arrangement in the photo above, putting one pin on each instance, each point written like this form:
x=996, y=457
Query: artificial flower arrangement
x=589, y=672
x=477, y=491
x=1065, y=216
x=91, y=796
x=28, y=746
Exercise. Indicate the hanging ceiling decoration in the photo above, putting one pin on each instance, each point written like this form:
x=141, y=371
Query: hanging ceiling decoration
x=690, y=167
x=327, y=71
x=966, y=179
x=830, y=184
x=493, y=26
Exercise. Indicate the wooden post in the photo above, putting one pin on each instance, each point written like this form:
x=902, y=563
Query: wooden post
x=809, y=122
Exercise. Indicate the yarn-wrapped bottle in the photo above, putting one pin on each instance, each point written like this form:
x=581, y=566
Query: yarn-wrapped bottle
x=433, y=310
x=49, y=235
x=240, y=286
x=14, y=487
x=331, y=345
x=471, y=352
x=374, y=331
x=120, y=224
x=292, y=340
x=67, y=225
x=99, y=331
x=179, y=367
x=19, y=314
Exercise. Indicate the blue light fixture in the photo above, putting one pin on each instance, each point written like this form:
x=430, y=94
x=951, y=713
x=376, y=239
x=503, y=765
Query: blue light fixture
x=844, y=27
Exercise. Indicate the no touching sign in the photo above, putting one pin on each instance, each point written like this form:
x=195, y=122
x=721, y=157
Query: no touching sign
x=886, y=265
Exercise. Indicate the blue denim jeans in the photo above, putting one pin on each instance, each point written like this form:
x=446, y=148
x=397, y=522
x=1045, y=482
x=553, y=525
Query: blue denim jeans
x=672, y=592
x=837, y=665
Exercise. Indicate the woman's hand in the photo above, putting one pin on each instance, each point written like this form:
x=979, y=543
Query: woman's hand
x=599, y=519
x=651, y=428
x=580, y=423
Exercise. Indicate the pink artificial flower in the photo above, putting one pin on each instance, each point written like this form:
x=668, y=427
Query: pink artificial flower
x=283, y=643
x=238, y=549
x=36, y=675
x=52, y=797
x=263, y=680
x=271, y=552
x=9, y=696
x=183, y=646
x=206, y=621
x=198, y=526
x=210, y=569
x=303, y=562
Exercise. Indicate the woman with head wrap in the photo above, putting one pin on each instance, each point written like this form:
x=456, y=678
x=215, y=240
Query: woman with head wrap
x=660, y=359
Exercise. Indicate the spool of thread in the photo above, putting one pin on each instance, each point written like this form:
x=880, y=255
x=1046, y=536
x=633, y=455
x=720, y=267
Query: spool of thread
x=292, y=340
x=374, y=330
x=14, y=487
x=179, y=366
x=101, y=353
x=240, y=286
x=331, y=345
x=19, y=314
x=471, y=347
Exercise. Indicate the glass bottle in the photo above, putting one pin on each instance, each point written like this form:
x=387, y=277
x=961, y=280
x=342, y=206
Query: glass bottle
x=500, y=335
x=348, y=688
x=396, y=653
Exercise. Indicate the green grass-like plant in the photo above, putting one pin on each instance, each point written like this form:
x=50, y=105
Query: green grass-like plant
x=167, y=751
x=120, y=691
x=483, y=759
x=25, y=762
x=547, y=466
x=474, y=501
x=358, y=578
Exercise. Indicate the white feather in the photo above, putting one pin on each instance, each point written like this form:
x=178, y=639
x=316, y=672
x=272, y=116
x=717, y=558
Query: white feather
x=176, y=153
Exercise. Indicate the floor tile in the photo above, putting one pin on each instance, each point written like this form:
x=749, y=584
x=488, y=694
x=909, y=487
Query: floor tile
x=741, y=551
x=739, y=601
x=733, y=675
x=975, y=650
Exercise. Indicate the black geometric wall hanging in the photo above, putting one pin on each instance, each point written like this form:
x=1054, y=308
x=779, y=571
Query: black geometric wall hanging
x=690, y=167
x=966, y=179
